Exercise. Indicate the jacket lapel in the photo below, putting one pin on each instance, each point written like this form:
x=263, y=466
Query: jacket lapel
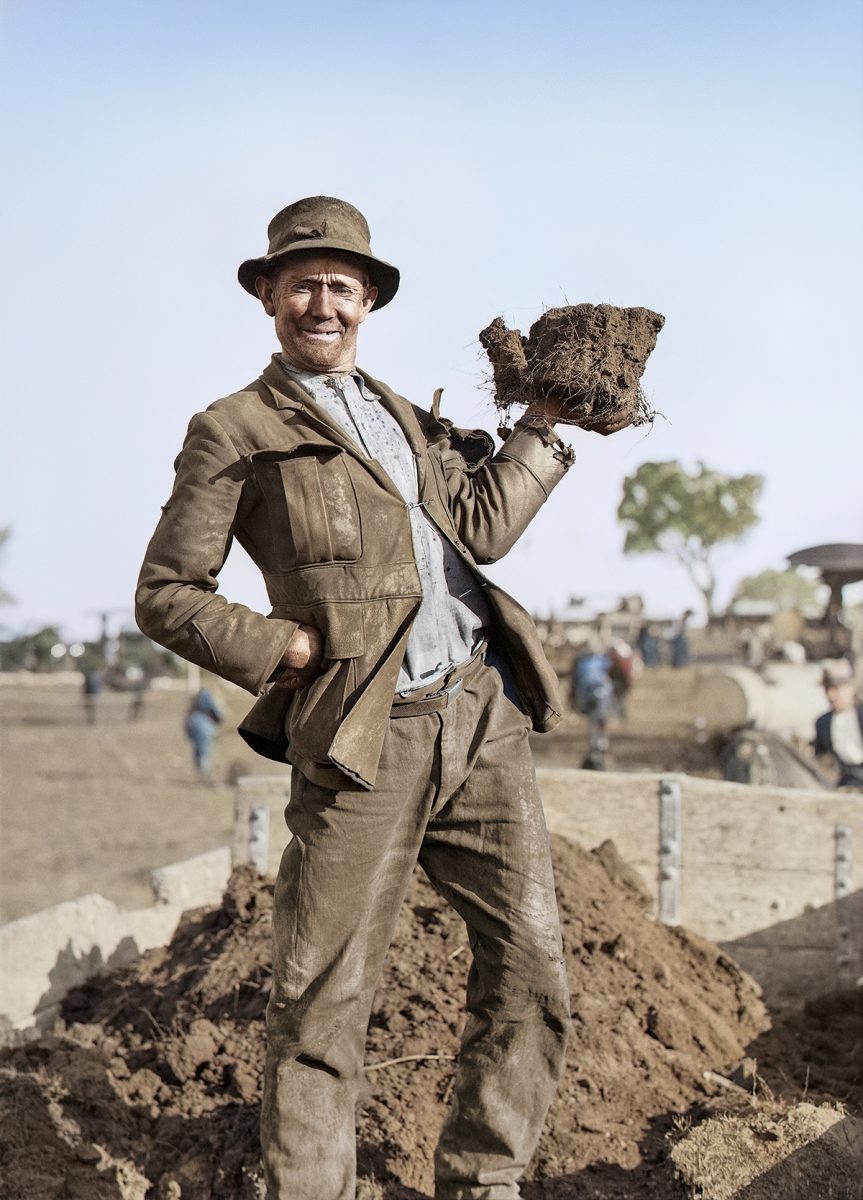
x=287, y=394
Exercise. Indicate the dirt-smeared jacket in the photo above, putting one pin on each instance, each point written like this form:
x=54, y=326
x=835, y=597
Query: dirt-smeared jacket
x=331, y=535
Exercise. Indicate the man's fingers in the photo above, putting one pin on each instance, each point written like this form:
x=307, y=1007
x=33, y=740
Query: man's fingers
x=293, y=678
x=613, y=426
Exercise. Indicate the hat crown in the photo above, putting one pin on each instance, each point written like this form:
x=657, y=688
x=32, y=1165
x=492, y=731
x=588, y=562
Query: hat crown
x=321, y=225
x=322, y=217
x=837, y=672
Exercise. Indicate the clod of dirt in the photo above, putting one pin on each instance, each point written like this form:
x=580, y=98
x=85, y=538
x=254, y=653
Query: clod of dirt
x=590, y=356
x=795, y=1153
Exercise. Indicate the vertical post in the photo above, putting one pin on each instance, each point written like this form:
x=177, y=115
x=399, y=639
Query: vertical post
x=843, y=869
x=259, y=837
x=670, y=843
x=193, y=678
x=240, y=845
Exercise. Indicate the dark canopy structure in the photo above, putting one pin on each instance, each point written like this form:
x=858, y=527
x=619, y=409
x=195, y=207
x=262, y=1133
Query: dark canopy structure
x=839, y=563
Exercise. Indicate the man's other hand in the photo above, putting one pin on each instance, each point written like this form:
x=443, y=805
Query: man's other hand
x=552, y=411
x=303, y=660
x=546, y=408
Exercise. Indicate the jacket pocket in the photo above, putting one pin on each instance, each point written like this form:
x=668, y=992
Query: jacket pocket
x=312, y=504
x=341, y=624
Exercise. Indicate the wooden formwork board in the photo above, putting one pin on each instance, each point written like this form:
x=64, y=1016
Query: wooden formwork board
x=757, y=869
x=773, y=874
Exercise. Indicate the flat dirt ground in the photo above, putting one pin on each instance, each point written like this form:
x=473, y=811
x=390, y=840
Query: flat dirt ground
x=93, y=808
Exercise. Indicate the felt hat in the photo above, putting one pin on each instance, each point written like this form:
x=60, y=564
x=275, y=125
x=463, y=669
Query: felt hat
x=837, y=672
x=321, y=224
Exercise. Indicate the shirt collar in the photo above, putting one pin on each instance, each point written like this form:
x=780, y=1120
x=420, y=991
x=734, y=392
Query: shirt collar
x=307, y=378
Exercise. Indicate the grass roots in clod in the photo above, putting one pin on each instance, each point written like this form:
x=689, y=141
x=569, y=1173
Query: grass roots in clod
x=590, y=357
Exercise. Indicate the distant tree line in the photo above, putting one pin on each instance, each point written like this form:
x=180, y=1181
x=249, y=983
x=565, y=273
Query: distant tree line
x=38, y=652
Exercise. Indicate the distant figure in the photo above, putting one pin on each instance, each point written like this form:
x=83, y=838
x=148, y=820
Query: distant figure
x=680, y=641
x=839, y=732
x=202, y=720
x=648, y=645
x=793, y=652
x=753, y=646
x=592, y=695
x=841, y=643
x=621, y=666
x=91, y=689
x=140, y=680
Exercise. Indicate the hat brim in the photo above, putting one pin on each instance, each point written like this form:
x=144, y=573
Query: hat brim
x=383, y=275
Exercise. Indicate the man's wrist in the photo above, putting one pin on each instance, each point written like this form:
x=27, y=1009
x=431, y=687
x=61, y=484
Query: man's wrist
x=537, y=423
x=534, y=418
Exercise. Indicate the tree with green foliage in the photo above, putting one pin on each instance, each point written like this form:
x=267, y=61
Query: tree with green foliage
x=788, y=590
x=667, y=510
x=31, y=651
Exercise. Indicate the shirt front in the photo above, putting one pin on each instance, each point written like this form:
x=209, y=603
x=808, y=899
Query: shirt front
x=454, y=616
x=846, y=737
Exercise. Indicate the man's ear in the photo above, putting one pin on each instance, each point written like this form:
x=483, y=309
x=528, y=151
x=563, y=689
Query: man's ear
x=369, y=297
x=264, y=288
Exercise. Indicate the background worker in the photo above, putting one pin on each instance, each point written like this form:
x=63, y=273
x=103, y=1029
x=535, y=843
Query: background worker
x=839, y=732
x=201, y=726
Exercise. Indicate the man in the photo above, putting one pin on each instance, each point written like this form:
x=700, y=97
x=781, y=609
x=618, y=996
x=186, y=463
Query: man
x=201, y=726
x=401, y=685
x=592, y=694
x=839, y=732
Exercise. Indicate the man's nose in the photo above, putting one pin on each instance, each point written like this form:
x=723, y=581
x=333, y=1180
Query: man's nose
x=322, y=303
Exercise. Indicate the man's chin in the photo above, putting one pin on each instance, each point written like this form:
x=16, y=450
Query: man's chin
x=317, y=356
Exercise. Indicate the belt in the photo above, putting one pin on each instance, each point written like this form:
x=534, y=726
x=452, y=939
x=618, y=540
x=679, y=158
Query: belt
x=448, y=690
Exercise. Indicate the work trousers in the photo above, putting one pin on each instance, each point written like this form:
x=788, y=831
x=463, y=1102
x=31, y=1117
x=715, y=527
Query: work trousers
x=456, y=791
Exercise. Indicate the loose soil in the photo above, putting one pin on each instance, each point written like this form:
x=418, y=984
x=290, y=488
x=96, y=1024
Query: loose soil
x=149, y=1085
x=159, y=1067
x=592, y=357
x=148, y=1088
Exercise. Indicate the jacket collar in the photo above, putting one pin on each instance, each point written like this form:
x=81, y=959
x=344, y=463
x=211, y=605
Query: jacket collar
x=288, y=394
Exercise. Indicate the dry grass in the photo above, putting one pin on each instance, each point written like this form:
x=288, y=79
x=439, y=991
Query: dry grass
x=796, y=1152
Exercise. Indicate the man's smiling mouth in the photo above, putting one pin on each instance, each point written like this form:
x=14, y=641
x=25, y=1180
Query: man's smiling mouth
x=321, y=335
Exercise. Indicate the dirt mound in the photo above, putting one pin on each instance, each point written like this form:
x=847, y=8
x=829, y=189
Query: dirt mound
x=591, y=356
x=150, y=1088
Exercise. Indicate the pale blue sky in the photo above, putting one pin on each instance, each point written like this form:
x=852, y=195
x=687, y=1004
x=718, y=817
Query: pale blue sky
x=703, y=160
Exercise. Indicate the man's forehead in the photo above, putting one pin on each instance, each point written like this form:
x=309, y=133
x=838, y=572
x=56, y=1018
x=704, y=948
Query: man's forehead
x=324, y=267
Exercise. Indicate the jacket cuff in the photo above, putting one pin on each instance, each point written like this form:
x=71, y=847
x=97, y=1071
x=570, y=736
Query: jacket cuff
x=539, y=449
x=274, y=669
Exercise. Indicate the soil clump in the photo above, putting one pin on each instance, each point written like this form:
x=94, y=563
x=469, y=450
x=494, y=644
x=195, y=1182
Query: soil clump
x=590, y=356
x=149, y=1087
x=797, y=1152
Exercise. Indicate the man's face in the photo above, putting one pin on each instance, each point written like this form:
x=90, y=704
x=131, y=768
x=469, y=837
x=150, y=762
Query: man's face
x=319, y=303
x=840, y=696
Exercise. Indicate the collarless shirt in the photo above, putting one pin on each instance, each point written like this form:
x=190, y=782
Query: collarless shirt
x=846, y=737
x=453, y=616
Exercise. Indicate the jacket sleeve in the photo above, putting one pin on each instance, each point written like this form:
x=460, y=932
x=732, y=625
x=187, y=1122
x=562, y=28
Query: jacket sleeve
x=823, y=743
x=176, y=602
x=494, y=501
